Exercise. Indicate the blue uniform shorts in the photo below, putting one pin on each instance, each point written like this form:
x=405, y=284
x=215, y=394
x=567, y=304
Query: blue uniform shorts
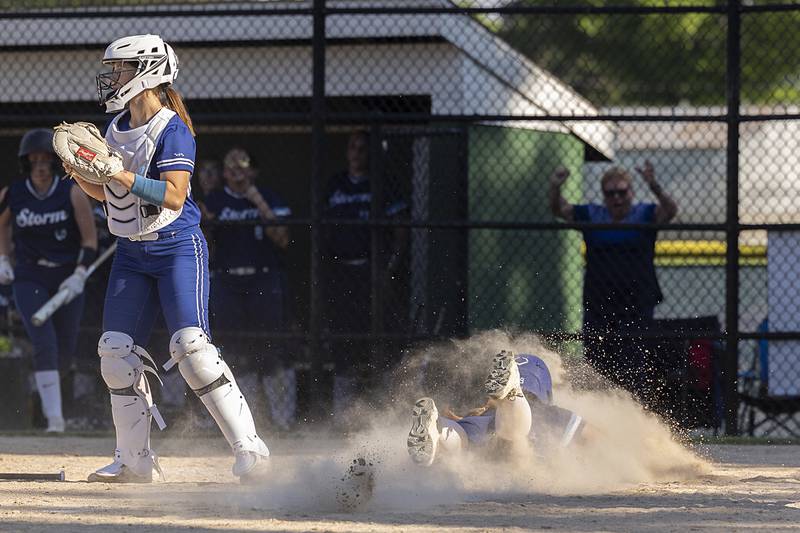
x=549, y=424
x=170, y=273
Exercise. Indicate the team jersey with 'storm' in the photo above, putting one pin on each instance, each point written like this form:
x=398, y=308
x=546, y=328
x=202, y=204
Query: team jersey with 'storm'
x=244, y=245
x=348, y=198
x=44, y=227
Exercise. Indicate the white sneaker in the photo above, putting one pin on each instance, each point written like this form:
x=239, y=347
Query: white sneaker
x=55, y=425
x=503, y=381
x=423, y=439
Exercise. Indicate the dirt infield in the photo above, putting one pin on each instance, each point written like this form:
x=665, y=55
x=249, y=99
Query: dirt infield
x=745, y=488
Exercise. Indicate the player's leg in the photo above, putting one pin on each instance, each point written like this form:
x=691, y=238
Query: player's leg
x=29, y=296
x=231, y=314
x=512, y=411
x=348, y=299
x=183, y=289
x=275, y=363
x=67, y=321
x=129, y=313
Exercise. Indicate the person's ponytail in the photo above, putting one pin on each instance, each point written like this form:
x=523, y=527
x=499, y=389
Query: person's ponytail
x=172, y=99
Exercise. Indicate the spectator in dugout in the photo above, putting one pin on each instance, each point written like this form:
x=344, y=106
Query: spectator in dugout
x=249, y=292
x=209, y=179
x=620, y=285
x=348, y=264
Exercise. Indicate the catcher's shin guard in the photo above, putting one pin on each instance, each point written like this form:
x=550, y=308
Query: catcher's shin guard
x=209, y=377
x=123, y=366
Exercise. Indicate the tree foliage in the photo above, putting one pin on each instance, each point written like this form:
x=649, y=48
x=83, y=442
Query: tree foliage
x=663, y=58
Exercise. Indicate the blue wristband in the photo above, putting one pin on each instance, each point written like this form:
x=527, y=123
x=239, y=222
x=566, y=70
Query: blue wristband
x=150, y=190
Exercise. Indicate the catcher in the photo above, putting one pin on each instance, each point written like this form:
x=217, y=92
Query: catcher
x=520, y=406
x=141, y=171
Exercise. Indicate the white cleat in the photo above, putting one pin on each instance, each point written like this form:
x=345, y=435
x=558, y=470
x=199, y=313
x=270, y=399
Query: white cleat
x=55, y=425
x=245, y=463
x=119, y=473
x=250, y=464
x=423, y=439
x=503, y=381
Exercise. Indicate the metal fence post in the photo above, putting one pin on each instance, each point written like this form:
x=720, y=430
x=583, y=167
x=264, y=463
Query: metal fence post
x=317, y=170
x=730, y=366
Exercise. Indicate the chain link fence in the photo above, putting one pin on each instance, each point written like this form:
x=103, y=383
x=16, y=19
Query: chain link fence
x=411, y=153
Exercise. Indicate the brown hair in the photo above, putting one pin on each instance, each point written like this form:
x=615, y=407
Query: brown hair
x=172, y=99
x=614, y=174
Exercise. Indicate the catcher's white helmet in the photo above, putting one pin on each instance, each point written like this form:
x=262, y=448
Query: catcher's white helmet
x=151, y=60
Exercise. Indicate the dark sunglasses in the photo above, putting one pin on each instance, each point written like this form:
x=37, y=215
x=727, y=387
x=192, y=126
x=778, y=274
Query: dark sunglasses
x=608, y=193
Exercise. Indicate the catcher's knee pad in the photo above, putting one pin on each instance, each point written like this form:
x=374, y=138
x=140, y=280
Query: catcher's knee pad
x=198, y=360
x=123, y=366
x=201, y=365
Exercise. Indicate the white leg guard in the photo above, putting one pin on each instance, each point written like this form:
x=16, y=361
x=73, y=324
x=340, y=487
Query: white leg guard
x=132, y=408
x=210, y=378
x=48, y=384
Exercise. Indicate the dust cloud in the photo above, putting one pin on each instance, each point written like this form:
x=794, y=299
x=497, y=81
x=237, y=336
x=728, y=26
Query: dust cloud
x=623, y=444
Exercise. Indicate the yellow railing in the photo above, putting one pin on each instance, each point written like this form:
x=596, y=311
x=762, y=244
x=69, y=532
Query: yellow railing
x=704, y=253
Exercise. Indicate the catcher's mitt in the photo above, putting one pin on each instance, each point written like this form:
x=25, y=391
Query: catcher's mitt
x=83, y=147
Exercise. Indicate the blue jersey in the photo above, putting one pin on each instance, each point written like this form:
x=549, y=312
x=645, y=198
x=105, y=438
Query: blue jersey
x=44, y=227
x=349, y=199
x=175, y=150
x=620, y=270
x=239, y=245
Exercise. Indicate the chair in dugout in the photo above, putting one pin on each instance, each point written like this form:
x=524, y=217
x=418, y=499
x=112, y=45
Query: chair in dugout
x=686, y=371
x=760, y=411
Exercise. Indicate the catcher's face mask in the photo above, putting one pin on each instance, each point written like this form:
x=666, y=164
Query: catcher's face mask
x=109, y=83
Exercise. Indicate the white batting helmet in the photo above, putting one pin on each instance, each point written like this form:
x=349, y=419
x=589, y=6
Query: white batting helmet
x=152, y=61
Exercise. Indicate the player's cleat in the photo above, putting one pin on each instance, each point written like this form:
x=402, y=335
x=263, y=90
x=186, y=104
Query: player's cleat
x=119, y=473
x=423, y=439
x=249, y=467
x=503, y=381
x=55, y=425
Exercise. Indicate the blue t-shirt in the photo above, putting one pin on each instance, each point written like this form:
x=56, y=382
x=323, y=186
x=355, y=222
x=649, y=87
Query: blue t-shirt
x=44, y=226
x=349, y=199
x=244, y=245
x=175, y=150
x=620, y=270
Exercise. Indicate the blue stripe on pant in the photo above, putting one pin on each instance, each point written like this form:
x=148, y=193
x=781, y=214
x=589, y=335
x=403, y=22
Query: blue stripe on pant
x=172, y=272
x=54, y=342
